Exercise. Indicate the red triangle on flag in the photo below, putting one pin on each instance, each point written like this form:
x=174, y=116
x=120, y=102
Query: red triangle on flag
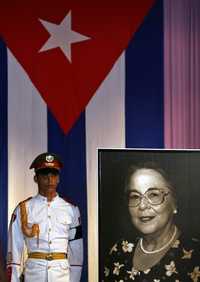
x=68, y=47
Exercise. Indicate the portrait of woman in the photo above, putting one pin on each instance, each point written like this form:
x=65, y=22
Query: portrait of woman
x=159, y=250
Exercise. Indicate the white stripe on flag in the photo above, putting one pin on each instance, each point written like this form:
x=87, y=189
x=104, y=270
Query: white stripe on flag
x=105, y=127
x=27, y=132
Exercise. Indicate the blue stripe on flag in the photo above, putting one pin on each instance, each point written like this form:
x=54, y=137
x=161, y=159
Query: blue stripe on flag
x=72, y=149
x=4, y=148
x=144, y=83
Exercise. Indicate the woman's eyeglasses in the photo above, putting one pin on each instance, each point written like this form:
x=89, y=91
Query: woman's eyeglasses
x=154, y=196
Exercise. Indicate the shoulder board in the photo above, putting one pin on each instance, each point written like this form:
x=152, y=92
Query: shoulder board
x=67, y=200
x=26, y=200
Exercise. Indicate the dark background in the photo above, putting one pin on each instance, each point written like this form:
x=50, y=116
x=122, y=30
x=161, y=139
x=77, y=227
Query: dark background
x=183, y=168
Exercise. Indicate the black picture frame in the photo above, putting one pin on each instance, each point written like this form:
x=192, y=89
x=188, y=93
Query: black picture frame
x=183, y=168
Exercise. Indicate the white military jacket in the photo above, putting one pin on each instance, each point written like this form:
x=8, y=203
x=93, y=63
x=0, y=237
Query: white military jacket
x=60, y=232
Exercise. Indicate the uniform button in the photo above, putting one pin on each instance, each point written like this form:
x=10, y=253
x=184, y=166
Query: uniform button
x=50, y=242
x=49, y=216
x=49, y=229
x=49, y=267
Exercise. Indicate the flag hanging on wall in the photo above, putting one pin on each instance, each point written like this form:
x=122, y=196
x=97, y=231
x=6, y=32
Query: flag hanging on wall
x=53, y=61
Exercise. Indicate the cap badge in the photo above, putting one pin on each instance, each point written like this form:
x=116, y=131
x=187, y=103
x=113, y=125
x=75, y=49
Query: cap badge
x=49, y=158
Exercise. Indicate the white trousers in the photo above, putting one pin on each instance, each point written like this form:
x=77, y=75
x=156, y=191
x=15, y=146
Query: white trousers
x=39, y=270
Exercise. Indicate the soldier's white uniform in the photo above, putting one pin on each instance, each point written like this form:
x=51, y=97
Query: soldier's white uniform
x=60, y=232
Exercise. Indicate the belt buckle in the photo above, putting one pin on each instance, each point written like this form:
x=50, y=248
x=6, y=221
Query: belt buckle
x=49, y=257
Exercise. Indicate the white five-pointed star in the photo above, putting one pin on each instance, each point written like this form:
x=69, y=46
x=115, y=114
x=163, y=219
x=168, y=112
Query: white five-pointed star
x=62, y=36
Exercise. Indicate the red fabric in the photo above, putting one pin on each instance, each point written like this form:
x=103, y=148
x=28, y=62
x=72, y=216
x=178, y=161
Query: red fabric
x=67, y=87
x=54, y=164
x=9, y=273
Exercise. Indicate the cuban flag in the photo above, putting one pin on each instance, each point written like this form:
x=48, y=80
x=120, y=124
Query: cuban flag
x=76, y=76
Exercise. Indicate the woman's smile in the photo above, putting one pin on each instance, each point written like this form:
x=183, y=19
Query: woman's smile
x=146, y=219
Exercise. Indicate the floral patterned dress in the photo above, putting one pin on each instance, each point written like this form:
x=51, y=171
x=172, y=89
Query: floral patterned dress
x=180, y=264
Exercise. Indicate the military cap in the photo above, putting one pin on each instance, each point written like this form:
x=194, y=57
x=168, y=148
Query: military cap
x=47, y=160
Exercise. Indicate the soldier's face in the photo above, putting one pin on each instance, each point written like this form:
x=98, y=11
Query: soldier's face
x=47, y=182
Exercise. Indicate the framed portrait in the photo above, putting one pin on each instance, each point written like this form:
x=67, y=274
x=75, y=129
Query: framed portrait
x=183, y=170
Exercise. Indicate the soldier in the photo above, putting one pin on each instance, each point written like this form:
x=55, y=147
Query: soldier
x=49, y=227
